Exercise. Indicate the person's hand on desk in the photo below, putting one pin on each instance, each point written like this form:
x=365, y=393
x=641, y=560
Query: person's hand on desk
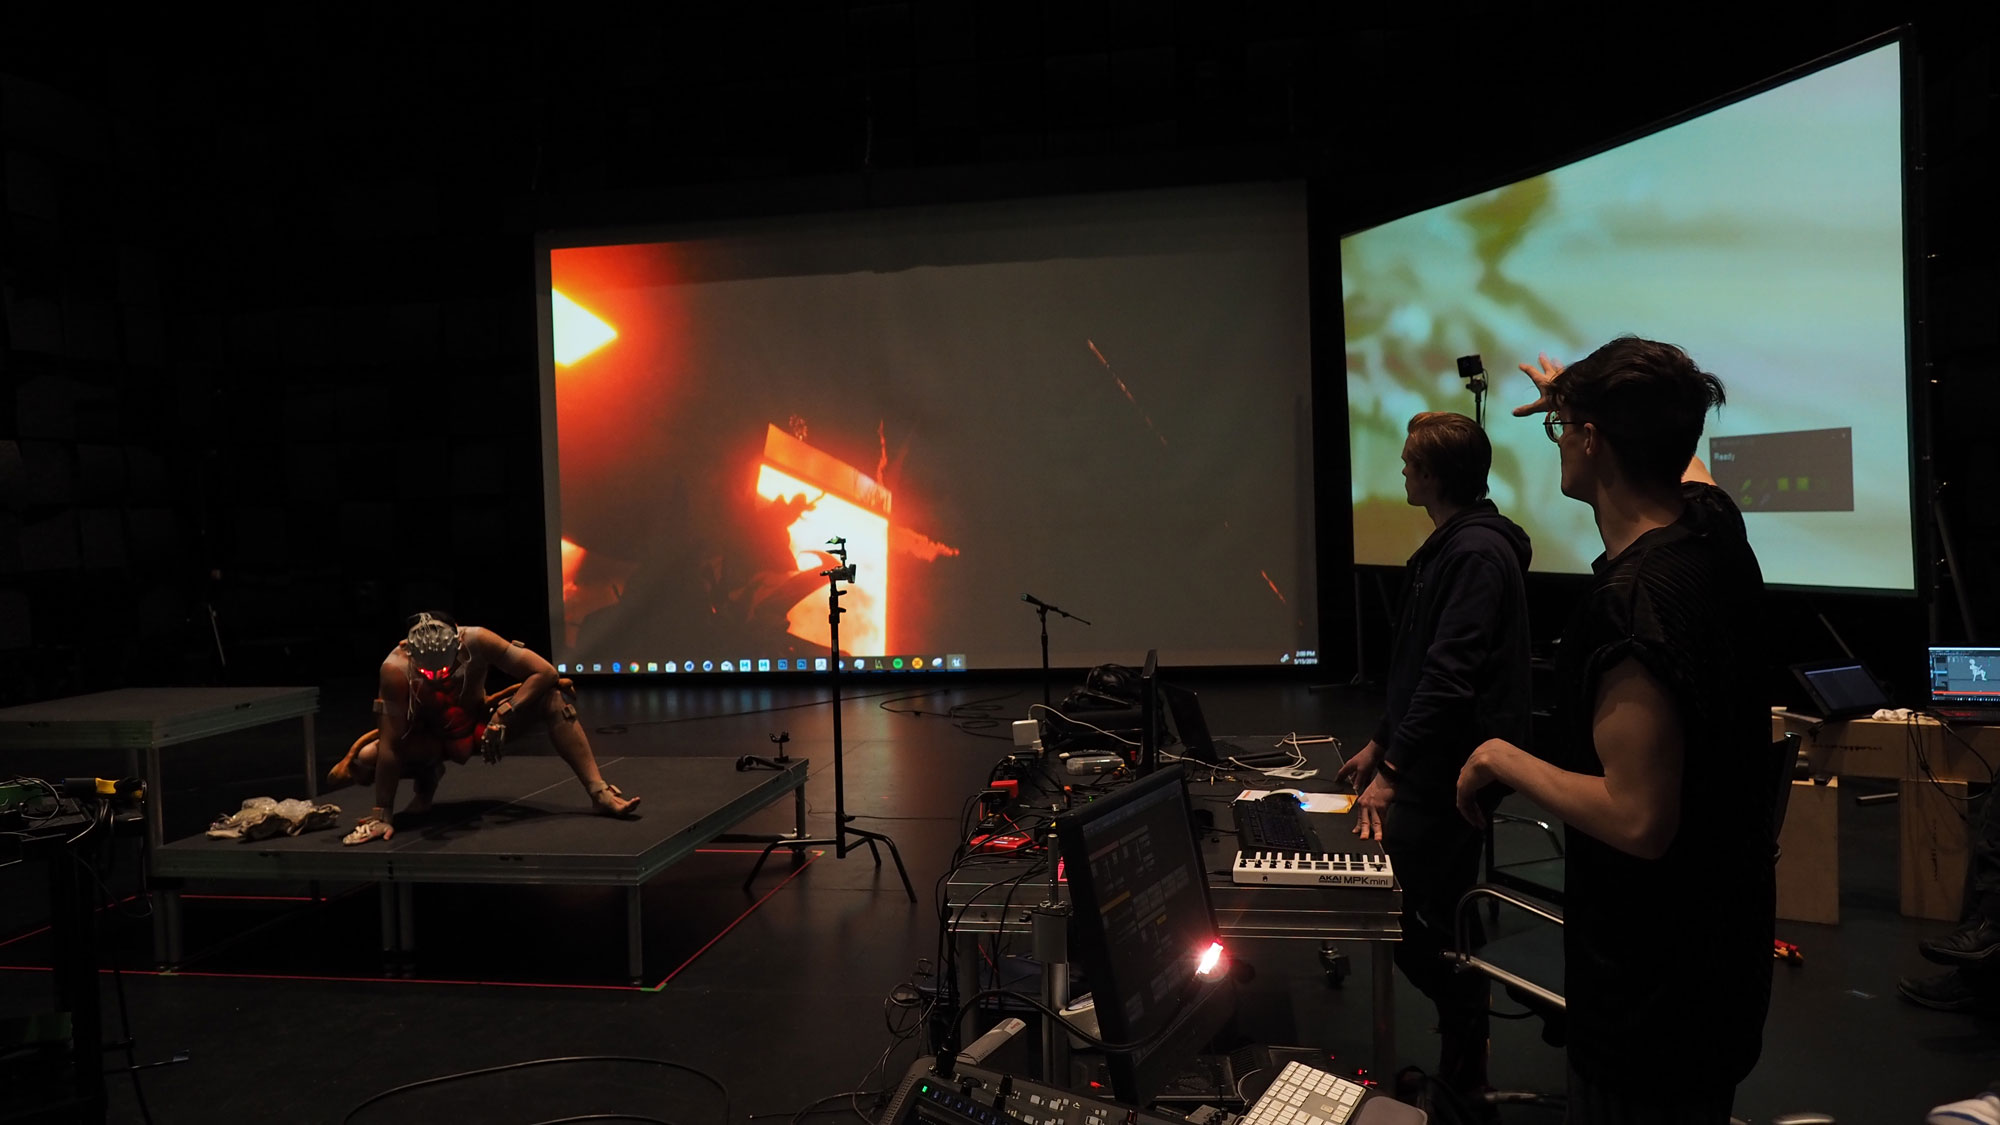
x=1359, y=770
x=1372, y=805
x=1491, y=761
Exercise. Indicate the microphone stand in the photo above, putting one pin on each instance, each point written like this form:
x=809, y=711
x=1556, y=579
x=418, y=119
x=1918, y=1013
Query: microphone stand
x=842, y=833
x=1042, y=609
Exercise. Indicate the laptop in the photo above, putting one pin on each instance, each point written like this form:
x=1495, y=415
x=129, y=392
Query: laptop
x=1190, y=727
x=1841, y=689
x=1965, y=684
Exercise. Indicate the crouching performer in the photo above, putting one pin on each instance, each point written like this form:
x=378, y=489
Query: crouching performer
x=434, y=709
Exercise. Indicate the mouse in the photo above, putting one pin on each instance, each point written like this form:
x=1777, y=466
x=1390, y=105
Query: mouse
x=1290, y=797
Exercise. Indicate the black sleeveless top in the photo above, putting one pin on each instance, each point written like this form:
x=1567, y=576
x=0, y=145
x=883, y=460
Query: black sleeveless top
x=1669, y=960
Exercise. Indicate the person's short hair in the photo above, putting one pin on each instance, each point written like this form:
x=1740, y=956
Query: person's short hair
x=1649, y=398
x=1454, y=450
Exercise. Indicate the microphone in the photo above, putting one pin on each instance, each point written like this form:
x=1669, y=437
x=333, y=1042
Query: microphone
x=1033, y=600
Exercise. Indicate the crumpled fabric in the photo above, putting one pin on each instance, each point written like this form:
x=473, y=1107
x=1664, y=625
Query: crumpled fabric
x=261, y=818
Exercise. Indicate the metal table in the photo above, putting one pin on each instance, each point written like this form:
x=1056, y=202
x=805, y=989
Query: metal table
x=142, y=722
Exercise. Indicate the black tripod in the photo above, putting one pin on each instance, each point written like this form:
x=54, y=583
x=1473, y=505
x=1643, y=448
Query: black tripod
x=1042, y=610
x=843, y=836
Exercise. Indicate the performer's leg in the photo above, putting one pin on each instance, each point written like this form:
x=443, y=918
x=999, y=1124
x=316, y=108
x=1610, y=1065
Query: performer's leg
x=566, y=734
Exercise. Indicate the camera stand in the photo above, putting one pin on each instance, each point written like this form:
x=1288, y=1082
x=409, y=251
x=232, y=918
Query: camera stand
x=844, y=838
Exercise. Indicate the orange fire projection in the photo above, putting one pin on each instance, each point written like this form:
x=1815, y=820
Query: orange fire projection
x=845, y=503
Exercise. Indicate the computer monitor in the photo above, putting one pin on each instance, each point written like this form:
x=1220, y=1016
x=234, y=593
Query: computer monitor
x=1190, y=726
x=1150, y=731
x=1141, y=925
x=1962, y=674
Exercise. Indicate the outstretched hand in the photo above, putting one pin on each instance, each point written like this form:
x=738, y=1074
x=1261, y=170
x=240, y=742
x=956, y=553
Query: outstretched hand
x=369, y=828
x=1543, y=372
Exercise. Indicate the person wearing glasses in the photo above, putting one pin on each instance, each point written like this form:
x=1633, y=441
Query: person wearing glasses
x=1659, y=760
x=1458, y=674
x=433, y=709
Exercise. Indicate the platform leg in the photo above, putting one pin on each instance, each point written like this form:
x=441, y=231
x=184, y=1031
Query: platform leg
x=392, y=929
x=406, y=921
x=312, y=763
x=635, y=944
x=167, y=927
x=1382, y=965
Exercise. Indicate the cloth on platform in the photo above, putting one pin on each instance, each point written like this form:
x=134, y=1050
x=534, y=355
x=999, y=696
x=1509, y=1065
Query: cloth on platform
x=261, y=818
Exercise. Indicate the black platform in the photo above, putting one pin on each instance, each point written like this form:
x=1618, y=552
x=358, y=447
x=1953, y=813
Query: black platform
x=523, y=821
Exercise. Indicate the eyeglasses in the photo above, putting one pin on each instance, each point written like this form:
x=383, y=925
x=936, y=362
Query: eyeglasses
x=1554, y=426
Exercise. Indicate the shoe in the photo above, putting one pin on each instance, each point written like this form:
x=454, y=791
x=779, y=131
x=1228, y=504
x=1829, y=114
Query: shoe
x=1976, y=940
x=1946, y=992
x=1982, y=1110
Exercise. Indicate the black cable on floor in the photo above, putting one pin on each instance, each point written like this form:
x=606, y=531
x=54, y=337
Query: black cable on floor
x=505, y=1067
x=604, y=1117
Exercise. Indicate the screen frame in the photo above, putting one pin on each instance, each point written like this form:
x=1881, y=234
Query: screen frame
x=1922, y=582
x=1286, y=176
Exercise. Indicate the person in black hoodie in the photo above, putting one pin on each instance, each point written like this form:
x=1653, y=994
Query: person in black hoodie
x=1458, y=675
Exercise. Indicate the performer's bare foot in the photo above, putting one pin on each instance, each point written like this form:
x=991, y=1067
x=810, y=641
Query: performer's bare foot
x=606, y=799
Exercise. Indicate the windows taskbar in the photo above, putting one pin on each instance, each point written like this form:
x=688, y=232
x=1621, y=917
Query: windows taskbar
x=949, y=662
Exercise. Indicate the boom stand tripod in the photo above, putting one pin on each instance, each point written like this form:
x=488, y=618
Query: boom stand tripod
x=1042, y=609
x=844, y=838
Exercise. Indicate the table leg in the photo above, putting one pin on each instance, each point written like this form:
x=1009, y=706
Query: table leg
x=965, y=960
x=1382, y=966
x=166, y=903
x=156, y=799
x=635, y=946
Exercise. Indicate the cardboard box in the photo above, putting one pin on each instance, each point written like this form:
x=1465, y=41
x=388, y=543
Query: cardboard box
x=1865, y=748
x=1935, y=846
x=1809, y=854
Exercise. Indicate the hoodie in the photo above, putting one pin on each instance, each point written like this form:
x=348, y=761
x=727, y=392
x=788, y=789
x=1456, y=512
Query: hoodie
x=1458, y=672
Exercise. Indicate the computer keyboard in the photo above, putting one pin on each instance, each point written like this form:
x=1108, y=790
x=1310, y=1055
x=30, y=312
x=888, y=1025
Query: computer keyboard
x=1305, y=1096
x=1274, y=824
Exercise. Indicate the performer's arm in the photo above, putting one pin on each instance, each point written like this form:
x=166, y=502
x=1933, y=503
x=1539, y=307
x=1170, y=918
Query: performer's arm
x=394, y=692
x=1636, y=806
x=538, y=676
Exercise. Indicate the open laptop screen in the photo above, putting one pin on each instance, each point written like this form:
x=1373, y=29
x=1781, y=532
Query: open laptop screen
x=1842, y=689
x=1963, y=675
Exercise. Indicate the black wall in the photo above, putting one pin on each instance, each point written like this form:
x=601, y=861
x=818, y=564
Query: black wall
x=266, y=287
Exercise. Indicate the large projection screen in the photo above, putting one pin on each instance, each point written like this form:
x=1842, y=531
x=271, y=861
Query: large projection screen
x=1766, y=237
x=1102, y=401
